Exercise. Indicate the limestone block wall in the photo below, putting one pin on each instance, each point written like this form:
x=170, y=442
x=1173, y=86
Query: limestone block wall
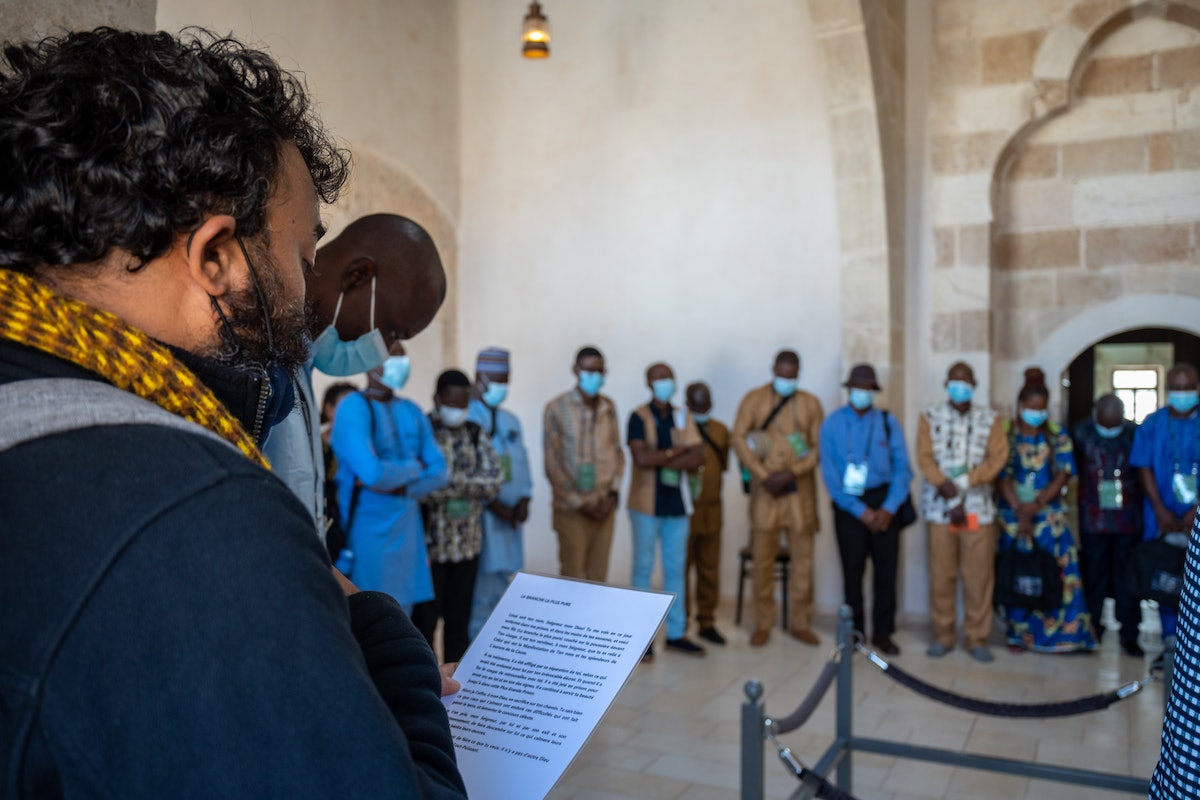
x=1063, y=167
x=863, y=230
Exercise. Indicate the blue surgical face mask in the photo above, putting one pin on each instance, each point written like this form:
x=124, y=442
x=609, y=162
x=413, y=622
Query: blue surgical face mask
x=494, y=394
x=664, y=389
x=452, y=417
x=861, y=399
x=960, y=392
x=590, y=382
x=395, y=372
x=701, y=418
x=335, y=357
x=784, y=387
x=1183, y=401
x=1032, y=418
x=1109, y=433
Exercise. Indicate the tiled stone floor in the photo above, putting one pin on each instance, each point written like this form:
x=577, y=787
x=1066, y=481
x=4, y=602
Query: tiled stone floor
x=673, y=731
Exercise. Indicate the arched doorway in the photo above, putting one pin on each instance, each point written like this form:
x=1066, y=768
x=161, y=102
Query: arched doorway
x=1131, y=354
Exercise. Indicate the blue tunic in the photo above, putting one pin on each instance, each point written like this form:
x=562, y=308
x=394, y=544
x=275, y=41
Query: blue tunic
x=502, y=546
x=397, y=451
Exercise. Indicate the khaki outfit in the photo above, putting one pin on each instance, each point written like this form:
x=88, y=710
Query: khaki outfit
x=704, y=537
x=976, y=448
x=582, y=445
x=794, y=513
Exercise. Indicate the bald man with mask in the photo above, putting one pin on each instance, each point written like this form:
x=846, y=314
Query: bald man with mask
x=379, y=282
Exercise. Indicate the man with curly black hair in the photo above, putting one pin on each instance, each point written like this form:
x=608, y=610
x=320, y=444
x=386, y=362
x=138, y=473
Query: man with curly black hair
x=172, y=625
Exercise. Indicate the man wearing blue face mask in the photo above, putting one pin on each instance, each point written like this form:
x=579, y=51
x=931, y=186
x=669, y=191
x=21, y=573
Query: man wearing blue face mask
x=864, y=462
x=665, y=446
x=1110, y=515
x=380, y=281
x=961, y=448
x=775, y=436
x=584, y=460
x=387, y=461
x=1166, y=449
x=503, y=552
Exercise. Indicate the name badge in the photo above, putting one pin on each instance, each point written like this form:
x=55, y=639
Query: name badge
x=798, y=444
x=585, y=477
x=694, y=486
x=506, y=467
x=1184, y=487
x=1111, y=497
x=669, y=477
x=458, y=508
x=1026, y=493
x=854, y=481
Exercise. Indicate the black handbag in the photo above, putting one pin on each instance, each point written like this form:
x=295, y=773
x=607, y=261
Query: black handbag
x=1030, y=579
x=1160, y=568
x=906, y=514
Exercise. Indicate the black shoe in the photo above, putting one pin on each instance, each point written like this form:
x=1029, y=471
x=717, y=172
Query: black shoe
x=685, y=645
x=885, y=645
x=1133, y=649
x=711, y=634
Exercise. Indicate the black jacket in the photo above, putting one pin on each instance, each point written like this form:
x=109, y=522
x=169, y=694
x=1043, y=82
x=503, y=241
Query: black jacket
x=172, y=629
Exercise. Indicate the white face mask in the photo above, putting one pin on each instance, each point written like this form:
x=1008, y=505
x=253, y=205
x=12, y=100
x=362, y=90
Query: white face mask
x=339, y=358
x=452, y=417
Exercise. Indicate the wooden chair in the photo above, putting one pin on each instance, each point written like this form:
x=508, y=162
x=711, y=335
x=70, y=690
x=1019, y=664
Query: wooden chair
x=783, y=570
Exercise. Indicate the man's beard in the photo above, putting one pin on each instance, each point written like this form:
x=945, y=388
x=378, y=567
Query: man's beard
x=243, y=329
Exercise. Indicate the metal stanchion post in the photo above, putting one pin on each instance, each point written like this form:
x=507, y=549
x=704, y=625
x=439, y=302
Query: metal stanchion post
x=752, y=742
x=845, y=695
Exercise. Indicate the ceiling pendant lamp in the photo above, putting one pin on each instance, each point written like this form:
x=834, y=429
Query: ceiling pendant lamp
x=535, y=39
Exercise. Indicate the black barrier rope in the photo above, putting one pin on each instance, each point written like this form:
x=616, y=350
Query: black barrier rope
x=820, y=786
x=810, y=703
x=1082, y=705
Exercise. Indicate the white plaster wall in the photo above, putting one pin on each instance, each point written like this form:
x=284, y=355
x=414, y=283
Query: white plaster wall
x=382, y=72
x=660, y=187
x=383, y=76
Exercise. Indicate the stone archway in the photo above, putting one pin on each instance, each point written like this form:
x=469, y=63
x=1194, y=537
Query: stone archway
x=1056, y=352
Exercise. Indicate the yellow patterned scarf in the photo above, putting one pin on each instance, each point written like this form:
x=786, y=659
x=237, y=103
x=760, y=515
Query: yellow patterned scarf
x=34, y=315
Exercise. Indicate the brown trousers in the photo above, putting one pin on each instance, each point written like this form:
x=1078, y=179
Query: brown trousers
x=583, y=545
x=973, y=554
x=703, y=574
x=764, y=546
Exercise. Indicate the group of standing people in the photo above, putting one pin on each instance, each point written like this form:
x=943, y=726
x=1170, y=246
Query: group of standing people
x=679, y=453
x=1135, y=483
x=431, y=505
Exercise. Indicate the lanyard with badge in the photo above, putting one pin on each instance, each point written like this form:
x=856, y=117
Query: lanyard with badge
x=501, y=448
x=854, y=479
x=668, y=476
x=958, y=474
x=1110, y=491
x=585, y=471
x=1183, y=485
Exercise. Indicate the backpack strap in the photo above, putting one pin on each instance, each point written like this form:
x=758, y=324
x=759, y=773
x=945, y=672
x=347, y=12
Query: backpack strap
x=40, y=407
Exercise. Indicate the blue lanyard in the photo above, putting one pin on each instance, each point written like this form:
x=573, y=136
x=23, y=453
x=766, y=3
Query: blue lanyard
x=870, y=435
x=1175, y=445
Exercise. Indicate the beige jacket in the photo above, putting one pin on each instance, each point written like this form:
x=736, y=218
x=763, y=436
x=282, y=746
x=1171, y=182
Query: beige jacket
x=801, y=414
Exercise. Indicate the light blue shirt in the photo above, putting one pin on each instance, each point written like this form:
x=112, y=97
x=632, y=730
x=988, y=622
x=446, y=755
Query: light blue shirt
x=387, y=446
x=847, y=438
x=294, y=449
x=503, y=549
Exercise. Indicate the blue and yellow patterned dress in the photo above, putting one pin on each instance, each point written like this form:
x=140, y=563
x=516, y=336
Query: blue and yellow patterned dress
x=1030, y=469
